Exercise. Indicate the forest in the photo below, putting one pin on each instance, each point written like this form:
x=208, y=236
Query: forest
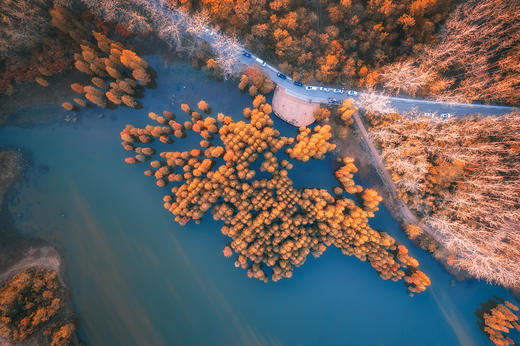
x=462, y=178
x=437, y=48
x=477, y=58
x=328, y=41
x=428, y=48
x=32, y=302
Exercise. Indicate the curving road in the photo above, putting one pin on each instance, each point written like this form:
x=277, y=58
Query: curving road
x=401, y=105
x=332, y=94
x=232, y=53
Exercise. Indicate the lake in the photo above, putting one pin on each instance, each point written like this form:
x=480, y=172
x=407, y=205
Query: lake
x=136, y=277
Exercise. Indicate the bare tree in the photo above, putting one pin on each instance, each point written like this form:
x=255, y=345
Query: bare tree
x=198, y=23
x=463, y=177
x=227, y=50
x=374, y=102
x=169, y=23
x=477, y=57
x=406, y=76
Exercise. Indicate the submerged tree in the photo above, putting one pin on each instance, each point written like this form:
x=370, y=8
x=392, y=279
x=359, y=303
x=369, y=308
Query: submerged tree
x=497, y=318
x=272, y=225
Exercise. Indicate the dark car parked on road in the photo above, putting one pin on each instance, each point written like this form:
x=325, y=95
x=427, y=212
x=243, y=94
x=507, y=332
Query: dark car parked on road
x=281, y=75
x=298, y=83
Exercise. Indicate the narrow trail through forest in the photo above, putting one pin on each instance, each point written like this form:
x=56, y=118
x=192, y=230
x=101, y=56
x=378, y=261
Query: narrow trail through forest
x=408, y=217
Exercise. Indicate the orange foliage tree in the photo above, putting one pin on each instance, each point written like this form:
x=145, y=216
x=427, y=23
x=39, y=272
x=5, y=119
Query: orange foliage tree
x=30, y=301
x=497, y=318
x=349, y=35
x=272, y=226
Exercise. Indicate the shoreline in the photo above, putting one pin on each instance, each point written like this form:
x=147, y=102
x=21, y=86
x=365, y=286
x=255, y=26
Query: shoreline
x=357, y=145
x=45, y=257
x=397, y=207
x=19, y=253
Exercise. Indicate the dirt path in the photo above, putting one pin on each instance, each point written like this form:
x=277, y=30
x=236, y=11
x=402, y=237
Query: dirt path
x=42, y=257
x=406, y=213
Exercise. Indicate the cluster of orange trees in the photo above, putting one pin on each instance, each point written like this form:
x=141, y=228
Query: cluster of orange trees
x=118, y=74
x=328, y=40
x=31, y=302
x=462, y=177
x=255, y=82
x=116, y=71
x=340, y=117
x=421, y=238
x=272, y=225
x=345, y=176
x=498, y=320
x=344, y=118
x=311, y=143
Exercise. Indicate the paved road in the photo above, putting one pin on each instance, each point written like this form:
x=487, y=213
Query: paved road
x=400, y=104
x=319, y=95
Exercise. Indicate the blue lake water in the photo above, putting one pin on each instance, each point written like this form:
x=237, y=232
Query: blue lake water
x=137, y=277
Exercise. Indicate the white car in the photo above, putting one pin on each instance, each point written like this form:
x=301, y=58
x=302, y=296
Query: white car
x=309, y=87
x=352, y=92
x=446, y=115
x=337, y=91
x=429, y=114
x=210, y=32
x=260, y=61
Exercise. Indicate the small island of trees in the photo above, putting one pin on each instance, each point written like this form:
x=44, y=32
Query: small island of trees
x=497, y=319
x=272, y=225
x=31, y=302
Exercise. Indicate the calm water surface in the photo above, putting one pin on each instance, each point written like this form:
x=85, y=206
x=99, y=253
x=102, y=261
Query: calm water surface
x=137, y=277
